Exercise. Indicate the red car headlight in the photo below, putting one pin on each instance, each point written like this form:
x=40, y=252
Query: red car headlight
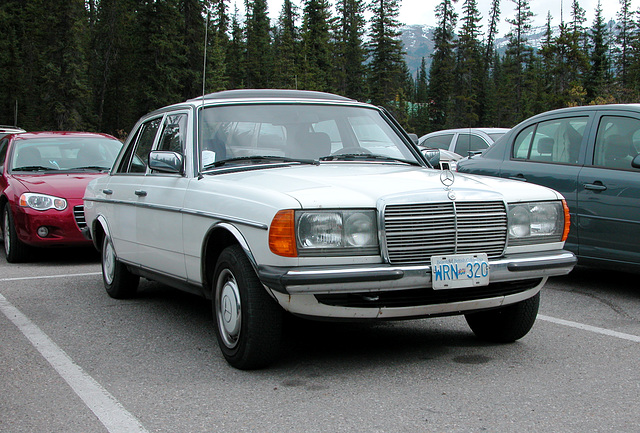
x=42, y=201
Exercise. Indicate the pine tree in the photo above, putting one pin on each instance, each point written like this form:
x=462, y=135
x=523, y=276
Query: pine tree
x=236, y=54
x=488, y=95
x=65, y=91
x=286, y=48
x=516, y=61
x=112, y=82
x=317, y=52
x=469, y=67
x=351, y=53
x=441, y=73
x=625, y=28
x=259, y=61
x=599, y=77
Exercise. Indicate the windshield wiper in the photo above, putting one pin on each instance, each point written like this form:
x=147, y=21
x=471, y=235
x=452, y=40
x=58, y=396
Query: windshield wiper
x=90, y=167
x=259, y=159
x=34, y=168
x=365, y=157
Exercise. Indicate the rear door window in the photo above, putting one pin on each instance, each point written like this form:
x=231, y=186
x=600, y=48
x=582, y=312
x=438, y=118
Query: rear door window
x=616, y=142
x=557, y=141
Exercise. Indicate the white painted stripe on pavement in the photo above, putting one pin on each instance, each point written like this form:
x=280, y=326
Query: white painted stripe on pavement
x=603, y=331
x=50, y=276
x=108, y=410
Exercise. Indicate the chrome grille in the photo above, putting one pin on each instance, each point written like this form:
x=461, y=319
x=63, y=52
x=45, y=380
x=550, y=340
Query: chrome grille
x=78, y=214
x=415, y=232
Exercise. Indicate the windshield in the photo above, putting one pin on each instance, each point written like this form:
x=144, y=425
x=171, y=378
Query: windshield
x=64, y=153
x=284, y=133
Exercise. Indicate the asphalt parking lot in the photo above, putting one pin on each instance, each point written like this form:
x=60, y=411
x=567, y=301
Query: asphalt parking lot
x=74, y=360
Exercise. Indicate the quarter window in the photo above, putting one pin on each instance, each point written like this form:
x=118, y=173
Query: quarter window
x=616, y=142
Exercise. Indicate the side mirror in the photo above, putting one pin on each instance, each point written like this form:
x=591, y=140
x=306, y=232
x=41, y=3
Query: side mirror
x=433, y=156
x=166, y=161
x=635, y=163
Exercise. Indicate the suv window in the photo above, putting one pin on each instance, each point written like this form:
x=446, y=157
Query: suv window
x=438, y=142
x=616, y=142
x=469, y=143
x=556, y=141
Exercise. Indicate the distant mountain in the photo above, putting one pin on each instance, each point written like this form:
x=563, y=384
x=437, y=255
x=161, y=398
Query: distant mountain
x=418, y=43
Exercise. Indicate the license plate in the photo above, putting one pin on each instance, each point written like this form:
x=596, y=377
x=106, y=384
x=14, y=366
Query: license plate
x=459, y=270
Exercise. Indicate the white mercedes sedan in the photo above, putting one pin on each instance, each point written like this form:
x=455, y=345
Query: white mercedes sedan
x=274, y=202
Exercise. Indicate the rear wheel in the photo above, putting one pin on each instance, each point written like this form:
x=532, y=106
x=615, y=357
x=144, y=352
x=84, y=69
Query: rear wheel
x=248, y=321
x=15, y=250
x=119, y=282
x=505, y=324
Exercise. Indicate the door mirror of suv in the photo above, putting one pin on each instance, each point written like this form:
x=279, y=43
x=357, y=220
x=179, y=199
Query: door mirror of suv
x=636, y=161
x=166, y=161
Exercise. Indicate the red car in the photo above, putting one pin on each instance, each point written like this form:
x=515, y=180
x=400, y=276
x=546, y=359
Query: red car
x=42, y=183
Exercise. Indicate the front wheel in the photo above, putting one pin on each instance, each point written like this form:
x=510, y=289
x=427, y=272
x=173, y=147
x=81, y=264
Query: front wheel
x=505, y=324
x=248, y=321
x=119, y=282
x=15, y=250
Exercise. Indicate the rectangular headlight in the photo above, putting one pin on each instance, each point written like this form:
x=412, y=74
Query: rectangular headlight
x=536, y=222
x=337, y=232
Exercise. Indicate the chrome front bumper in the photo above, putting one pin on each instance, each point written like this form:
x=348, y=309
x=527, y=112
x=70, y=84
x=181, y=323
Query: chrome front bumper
x=384, y=277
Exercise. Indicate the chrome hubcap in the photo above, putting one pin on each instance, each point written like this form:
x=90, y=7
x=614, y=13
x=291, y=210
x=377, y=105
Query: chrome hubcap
x=108, y=261
x=228, y=312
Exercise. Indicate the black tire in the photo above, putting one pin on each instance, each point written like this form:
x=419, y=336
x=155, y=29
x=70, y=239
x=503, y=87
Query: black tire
x=505, y=324
x=15, y=250
x=119, y=282
x=248, y=321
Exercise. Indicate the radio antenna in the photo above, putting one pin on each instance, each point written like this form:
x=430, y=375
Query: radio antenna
x=204, y=67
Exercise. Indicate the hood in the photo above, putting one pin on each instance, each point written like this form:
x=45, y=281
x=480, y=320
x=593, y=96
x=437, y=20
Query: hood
x=67, y=185
x=364, y=185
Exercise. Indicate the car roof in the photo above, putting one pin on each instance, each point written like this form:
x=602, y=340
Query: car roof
x=459, y=130
x=58, y=134
x=4, y=129
x=270, y=94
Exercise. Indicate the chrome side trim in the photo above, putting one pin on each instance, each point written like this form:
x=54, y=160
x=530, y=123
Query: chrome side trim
x=220, y=217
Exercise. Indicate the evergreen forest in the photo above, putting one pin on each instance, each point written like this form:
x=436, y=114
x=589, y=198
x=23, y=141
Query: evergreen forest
x=98, y=65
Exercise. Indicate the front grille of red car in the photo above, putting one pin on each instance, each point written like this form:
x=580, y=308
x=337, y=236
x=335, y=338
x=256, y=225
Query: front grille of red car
x=78, y=214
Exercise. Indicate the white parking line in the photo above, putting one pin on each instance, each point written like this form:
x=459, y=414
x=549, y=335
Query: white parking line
x=108, y=410
x=50, y=276
x=603, y=331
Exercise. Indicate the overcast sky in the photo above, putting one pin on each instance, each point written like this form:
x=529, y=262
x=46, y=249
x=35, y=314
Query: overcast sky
x=422, y=11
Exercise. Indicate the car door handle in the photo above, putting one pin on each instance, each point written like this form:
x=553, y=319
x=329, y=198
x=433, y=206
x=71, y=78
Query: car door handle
x=107, y=191
x=595, y=186
x=519, y=177
x=141, y=193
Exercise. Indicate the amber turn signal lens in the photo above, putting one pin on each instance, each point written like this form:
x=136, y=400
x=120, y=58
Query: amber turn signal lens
x=282, y=236
x=567, y=221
